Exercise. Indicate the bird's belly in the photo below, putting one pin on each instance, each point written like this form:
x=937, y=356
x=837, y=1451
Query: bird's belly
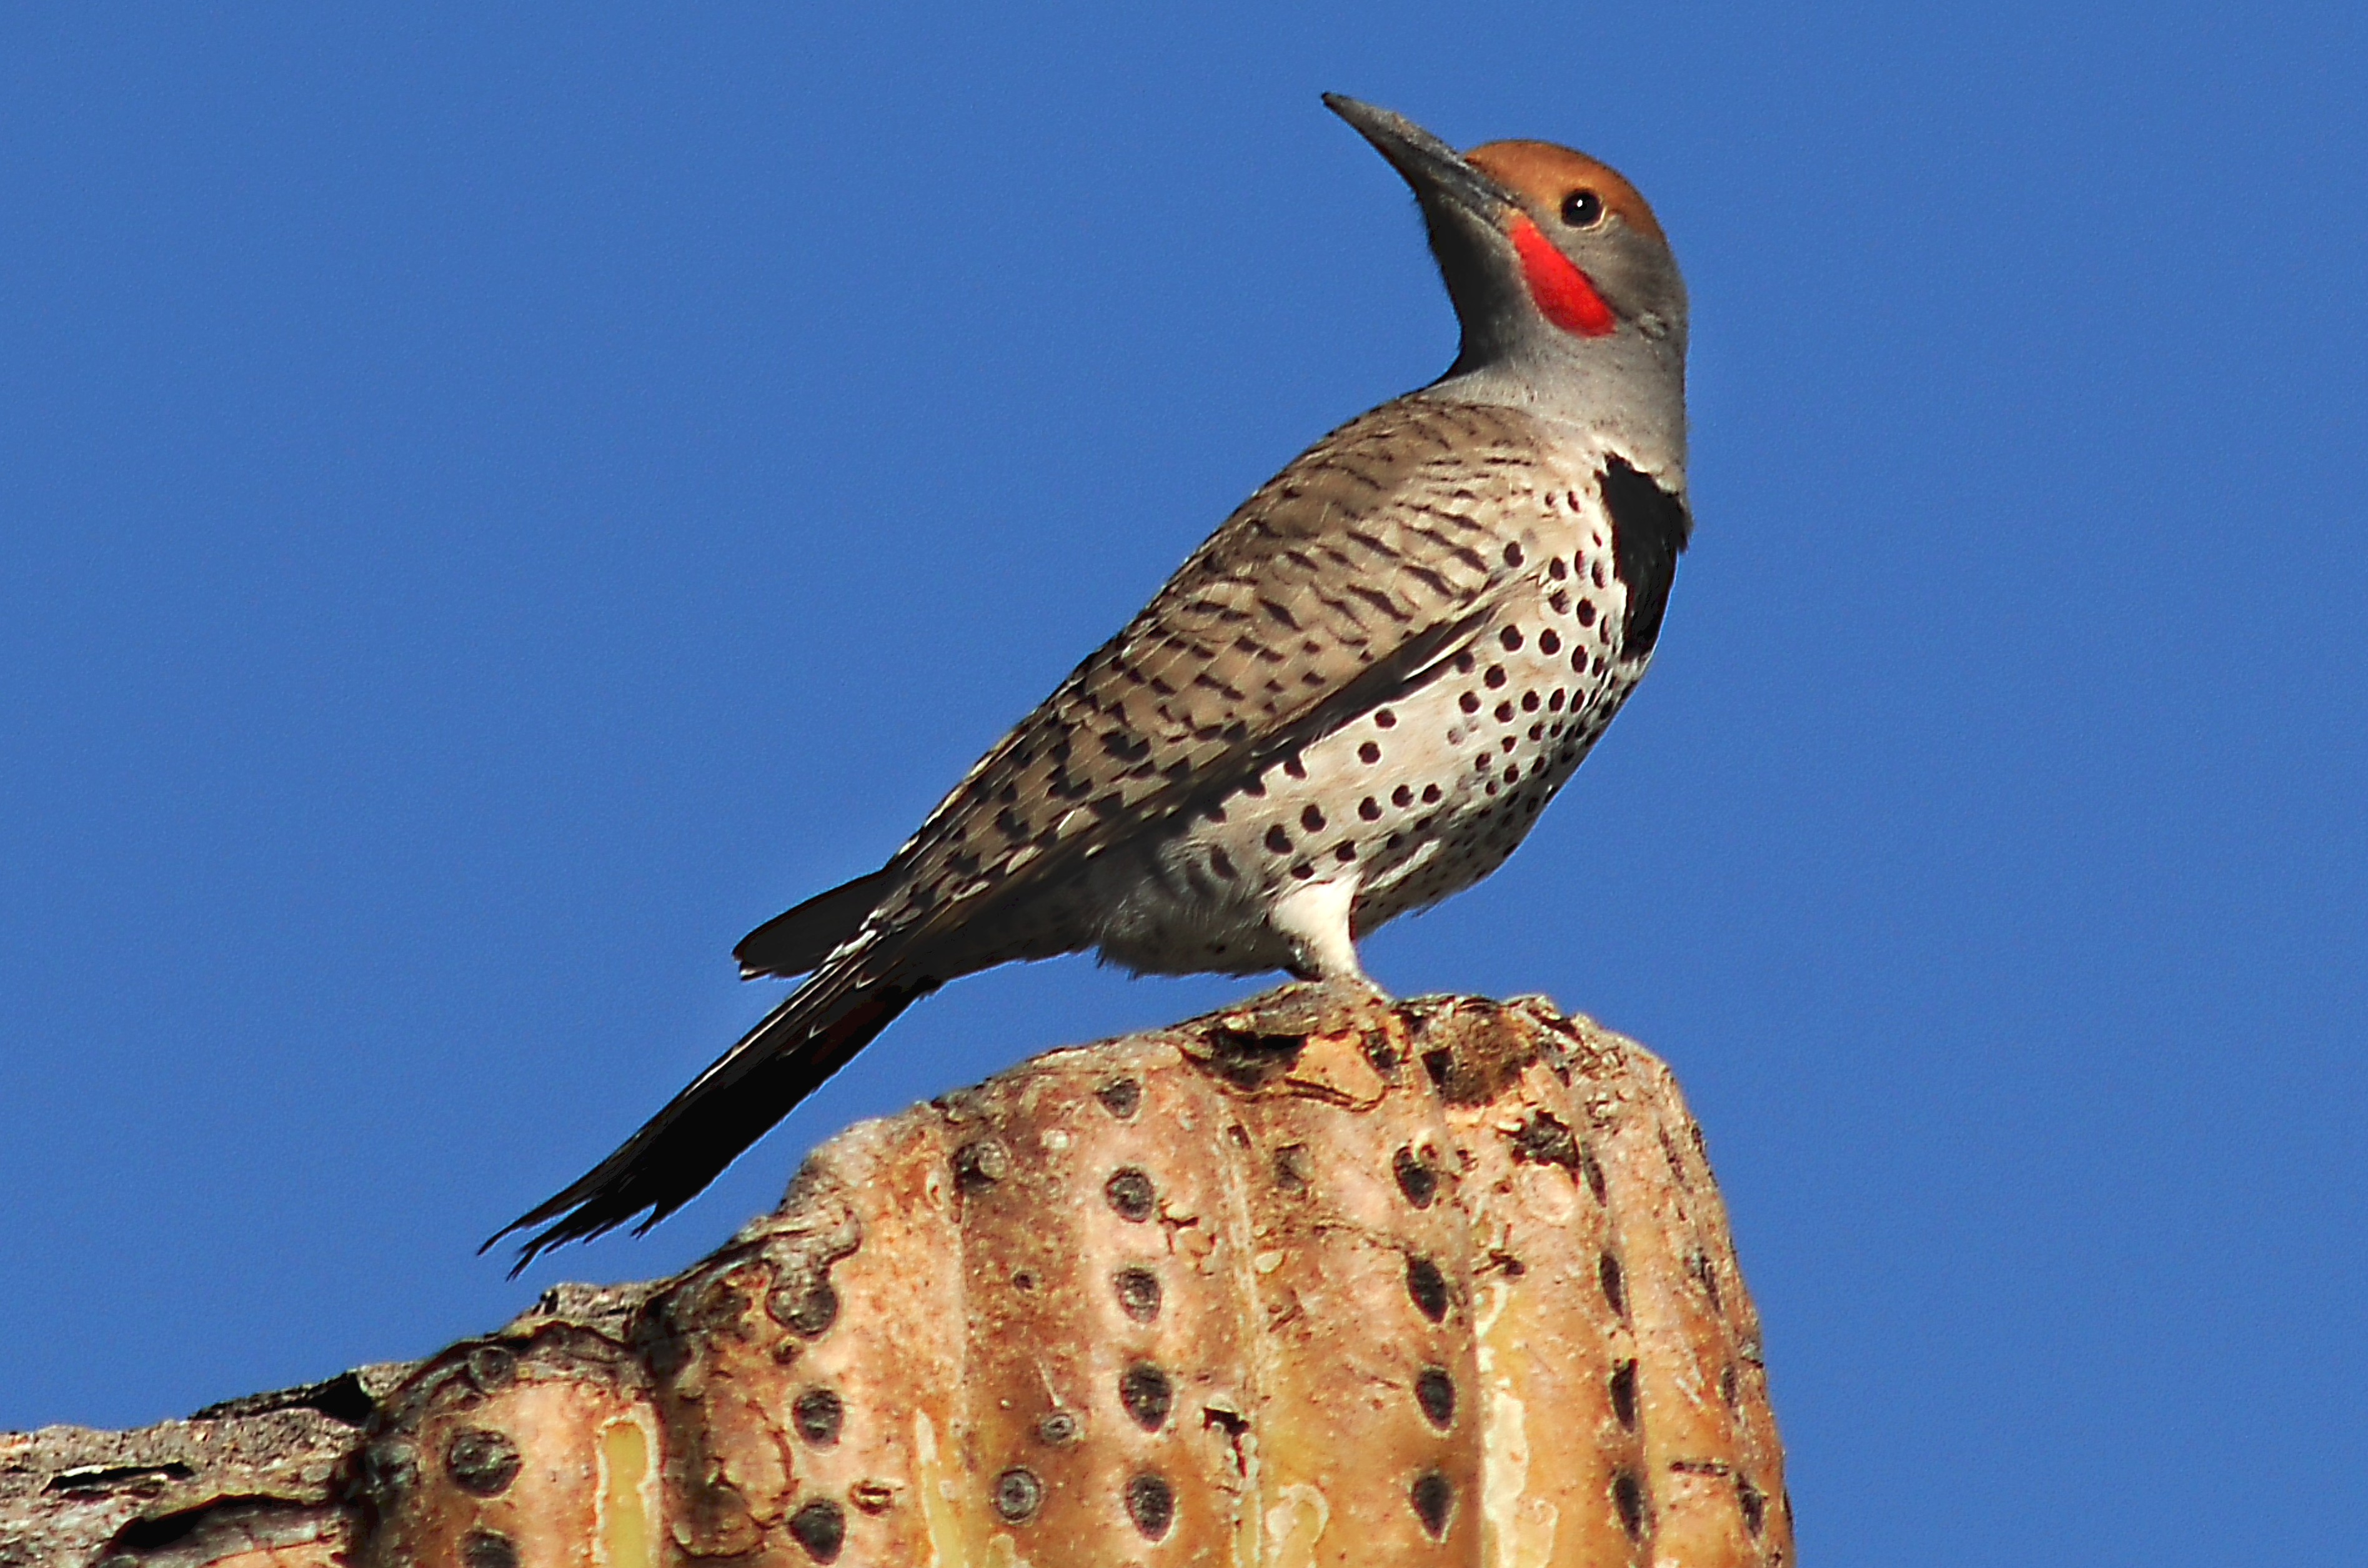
x=1417, y=799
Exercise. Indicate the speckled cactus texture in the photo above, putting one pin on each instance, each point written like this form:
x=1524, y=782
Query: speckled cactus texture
x=1320, y=1279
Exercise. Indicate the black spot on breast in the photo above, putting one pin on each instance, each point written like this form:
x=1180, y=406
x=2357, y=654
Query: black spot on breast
x=1649, y=529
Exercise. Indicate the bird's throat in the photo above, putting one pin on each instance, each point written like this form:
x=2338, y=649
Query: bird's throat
x=1564, y=294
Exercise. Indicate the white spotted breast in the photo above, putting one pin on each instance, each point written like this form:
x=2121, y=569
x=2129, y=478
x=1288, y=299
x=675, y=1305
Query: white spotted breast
x=1430, y=786
x=1432, y=580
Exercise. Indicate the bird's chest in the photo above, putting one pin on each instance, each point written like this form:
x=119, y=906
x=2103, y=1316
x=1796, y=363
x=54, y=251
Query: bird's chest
x=1431, y=788
x=1497, y=734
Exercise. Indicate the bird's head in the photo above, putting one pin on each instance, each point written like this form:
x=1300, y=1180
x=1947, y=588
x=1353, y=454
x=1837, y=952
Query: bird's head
x=1545, y=251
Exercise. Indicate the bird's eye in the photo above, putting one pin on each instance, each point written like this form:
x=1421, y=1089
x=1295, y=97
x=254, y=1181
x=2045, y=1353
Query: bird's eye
x=1582, y=210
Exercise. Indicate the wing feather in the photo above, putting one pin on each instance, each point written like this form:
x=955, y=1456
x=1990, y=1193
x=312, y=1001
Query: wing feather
x=1349, y=575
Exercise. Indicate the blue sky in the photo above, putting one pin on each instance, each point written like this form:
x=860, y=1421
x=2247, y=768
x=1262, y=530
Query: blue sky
x=497, y=505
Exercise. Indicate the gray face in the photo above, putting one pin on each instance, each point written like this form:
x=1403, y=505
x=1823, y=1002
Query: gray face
x=1598, y=222
x=1552, y=258
x=1569, y=299
x=1632, y=271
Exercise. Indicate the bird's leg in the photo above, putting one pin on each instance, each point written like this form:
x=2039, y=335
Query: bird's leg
x=1316, y=919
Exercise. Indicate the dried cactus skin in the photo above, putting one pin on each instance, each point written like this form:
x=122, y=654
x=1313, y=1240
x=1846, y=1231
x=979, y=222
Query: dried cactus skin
x=1318, y=1279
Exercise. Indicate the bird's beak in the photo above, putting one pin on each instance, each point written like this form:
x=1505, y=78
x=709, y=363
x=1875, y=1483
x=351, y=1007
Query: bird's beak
x=1437, y=171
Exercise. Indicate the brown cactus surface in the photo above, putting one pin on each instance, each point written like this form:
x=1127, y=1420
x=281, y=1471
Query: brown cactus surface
x=1318, y=1279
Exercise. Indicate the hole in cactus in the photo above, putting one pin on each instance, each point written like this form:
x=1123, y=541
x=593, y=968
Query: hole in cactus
x=488, y=1549
x=1433, y=1496
x=1755, y=1506
x=1120, y=1097
x=981, y=1162
x=1017, y=1495
x=482, y=1462
x=1131, y=1194
x=1151, y=1503
x=1705, y=1273
x=805, y=1303
x=1236, y=1426
x=1138, y=1293
x=1623, y=1394
x=821, y=1527
x=1144, y=1391
x=1615, y=1284
x=1676, y=1162
x=1628, y=1496
x=1417, y=1180
x=1545, y=1141
x=492, y=1367
x=1428, y=1286
x=1590, y=1171
x=1435, y=1391
x=817, y=1414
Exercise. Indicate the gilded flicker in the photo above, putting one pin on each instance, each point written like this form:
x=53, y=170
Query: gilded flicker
x=1351, y=701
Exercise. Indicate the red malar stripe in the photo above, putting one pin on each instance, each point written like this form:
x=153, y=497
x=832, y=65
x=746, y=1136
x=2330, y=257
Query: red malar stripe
x=1561, y=289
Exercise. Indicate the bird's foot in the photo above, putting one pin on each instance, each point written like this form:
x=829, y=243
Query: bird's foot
x=1304, y=1007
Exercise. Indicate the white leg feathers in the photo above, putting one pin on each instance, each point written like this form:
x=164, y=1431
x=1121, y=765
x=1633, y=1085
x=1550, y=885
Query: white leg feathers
x=1316, y=919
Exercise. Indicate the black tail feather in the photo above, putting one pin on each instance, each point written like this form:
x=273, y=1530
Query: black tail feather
x=794, y=942
x=736, y=1101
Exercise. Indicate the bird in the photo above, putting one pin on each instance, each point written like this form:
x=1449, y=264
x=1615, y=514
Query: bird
x=1350, y=702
